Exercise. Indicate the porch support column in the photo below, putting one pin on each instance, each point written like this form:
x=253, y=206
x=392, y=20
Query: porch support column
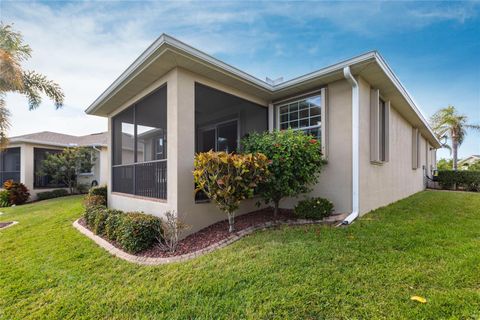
x=185, y=132
x=172, y=139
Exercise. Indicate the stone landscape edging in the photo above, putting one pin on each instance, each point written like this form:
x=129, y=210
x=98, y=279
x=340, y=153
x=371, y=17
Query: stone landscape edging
x=119, y=253
x=10, y=225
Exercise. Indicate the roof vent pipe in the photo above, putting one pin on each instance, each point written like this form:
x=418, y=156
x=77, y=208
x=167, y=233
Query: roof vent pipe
x=355, y=146
x=274, y=82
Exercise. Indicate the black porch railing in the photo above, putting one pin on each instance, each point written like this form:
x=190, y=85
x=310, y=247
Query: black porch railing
x=146, y=179
x=9, y=175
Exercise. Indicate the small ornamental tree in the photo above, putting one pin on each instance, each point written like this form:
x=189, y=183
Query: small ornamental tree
x=228, y=178
x=296, y=162
x=64, y=167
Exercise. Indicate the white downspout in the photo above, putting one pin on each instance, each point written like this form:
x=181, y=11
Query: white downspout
x=355, y=146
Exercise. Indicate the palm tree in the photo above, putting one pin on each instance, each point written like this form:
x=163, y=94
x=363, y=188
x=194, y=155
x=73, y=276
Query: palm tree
x=13, y=78
x=448, y=124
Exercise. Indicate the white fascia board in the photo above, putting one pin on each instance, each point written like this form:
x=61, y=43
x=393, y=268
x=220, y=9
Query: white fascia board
x=52, y=144
x=176, y=44
x=168, y=40
x=327, y=70
x=165, y=39
x=398, y=84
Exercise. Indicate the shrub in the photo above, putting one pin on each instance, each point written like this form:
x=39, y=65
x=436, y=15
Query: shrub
x=99, y=221
x=296, y=163
x=228, y=178
x=52, y=194
x=468, y=180
x=138, y=231
x=99, y=191
x=172, y=227
x=90, y=215
x=313, y=208
x=17, y=192
x=113, y=223
x=94, y=200
x=4, y=198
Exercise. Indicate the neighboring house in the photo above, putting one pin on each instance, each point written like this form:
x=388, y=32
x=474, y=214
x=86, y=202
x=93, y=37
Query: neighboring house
x=467, y=162
x=22, y=160
x=175, y=101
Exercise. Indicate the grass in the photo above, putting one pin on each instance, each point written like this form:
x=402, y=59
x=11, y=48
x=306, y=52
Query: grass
x=427, y=245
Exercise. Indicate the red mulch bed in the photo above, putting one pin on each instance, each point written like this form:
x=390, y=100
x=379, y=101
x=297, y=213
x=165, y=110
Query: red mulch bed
x=219, y=231
x=214, y=233
x=5, y=224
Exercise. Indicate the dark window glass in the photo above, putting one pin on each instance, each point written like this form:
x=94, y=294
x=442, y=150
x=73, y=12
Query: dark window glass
x=227, y=137
x=123, y=137
x=41, y=180
x=381, y=122
x=151, y=122
x=207, y=140
x=139, y=144
x=10, y=165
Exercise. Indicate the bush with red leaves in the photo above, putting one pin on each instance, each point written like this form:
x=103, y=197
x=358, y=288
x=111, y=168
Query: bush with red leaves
x=17, y=192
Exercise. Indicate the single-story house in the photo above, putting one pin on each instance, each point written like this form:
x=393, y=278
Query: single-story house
x=465, y=163
x=175, y=100
x=21, y=160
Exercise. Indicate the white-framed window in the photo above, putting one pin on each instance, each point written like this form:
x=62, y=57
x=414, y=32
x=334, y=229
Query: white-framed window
x=379, y=128
x=307, y=113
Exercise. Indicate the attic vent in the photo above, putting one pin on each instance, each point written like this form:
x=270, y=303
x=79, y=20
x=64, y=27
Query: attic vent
x=274, y=82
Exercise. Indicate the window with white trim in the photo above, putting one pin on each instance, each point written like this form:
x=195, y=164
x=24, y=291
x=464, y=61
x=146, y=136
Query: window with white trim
x=304, y=114
x=309, y=114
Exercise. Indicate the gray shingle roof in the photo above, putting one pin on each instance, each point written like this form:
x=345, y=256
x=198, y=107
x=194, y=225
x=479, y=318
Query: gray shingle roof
x=60, y=139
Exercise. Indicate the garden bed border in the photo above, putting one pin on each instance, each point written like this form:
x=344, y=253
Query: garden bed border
x=10, y=225
x=119, y=253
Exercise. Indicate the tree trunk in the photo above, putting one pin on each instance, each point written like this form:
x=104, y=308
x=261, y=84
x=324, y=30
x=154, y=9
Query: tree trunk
x=231, y=222
x=455, y=154
x=275, y=210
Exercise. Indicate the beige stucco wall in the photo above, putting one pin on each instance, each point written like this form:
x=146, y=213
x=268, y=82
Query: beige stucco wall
x=336, y=179
x=180, y=153
x=381, y=184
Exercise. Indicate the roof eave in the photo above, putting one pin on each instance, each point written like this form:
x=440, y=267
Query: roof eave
x=166, y=40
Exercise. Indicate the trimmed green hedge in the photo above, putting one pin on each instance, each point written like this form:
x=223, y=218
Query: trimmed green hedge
x=134, y=231
x=52, y=194
x=99, y=191
x=138, y=231
x=467, y=180
x=313, y=208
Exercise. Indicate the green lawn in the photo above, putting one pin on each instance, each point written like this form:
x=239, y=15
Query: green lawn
x=427, y=245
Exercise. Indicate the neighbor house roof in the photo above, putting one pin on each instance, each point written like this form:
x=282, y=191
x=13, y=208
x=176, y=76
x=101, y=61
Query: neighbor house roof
x=167, y=53
x=470, y=158
x=62, y=140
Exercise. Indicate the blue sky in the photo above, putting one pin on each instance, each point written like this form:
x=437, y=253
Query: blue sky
x=433, y=47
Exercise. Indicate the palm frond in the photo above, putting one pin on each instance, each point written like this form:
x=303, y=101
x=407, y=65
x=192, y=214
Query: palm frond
x=472, y=126
x=12, y=42
x=10, y=73
x=34, y=84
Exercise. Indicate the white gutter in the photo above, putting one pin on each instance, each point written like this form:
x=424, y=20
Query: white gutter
x=355, y=146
